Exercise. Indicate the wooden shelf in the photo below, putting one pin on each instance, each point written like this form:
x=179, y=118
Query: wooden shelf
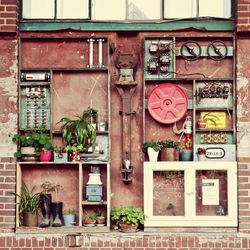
x=91, y=203
x=34, y=83
x=62, y=230
x=59, y=133
x=214, y=108
x=83, y=69
x=214, y=130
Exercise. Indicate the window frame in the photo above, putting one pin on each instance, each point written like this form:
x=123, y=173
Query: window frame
x=55, y=19
x=126, y=20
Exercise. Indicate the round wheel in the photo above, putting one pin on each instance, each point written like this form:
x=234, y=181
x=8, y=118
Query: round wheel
x=167, y=103
x=217, y=50
x=190, y=50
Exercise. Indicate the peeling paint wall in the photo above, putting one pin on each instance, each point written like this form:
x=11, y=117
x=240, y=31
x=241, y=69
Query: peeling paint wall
x=8, y=95
x=243, y=96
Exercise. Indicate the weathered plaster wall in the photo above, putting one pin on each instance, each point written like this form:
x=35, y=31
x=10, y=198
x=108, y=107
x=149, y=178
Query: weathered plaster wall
x=8, y=93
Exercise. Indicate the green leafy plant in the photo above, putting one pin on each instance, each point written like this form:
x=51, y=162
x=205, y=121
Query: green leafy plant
x=168, y=144
x=80, y=128
x=130, y=215
x=75, y=148
x=39, y=139
x=28, y=200
x=69, y=211
x=153, y=144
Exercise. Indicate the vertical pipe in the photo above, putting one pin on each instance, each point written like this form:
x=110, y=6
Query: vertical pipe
x=91, y=52
x=100, y=65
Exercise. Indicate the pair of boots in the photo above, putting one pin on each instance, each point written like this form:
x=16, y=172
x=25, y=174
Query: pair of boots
x=47, y=206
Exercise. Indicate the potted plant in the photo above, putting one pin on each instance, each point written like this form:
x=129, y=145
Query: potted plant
x=79, y=130
x=201, y=154
x=128, y=218
x=45, y=146
x=152, y=149
x=69, y=217
x=100, y=218
x=186, y=150
x=28, y=205
x=74, y=151
x=26, y=143
x=60, y=154
x=33, y=143
x=89, y=219
x=169, y=150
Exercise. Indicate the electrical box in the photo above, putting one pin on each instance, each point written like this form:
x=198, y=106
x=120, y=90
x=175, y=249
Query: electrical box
x=35, y=100
x=159, y=58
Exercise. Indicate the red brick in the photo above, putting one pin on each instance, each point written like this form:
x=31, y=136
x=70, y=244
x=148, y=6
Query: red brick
x=2, y=241
x=132, y=243
x=243, y=20
x=10, y=166
x=100, y=243
x=243, y=179
x=11, y=21
x=7, y=173
x=21, y=242
x=9, y=2
x=8, y=186
x=243, y=206
x=11, y=8
x=244, y=14
x=242, y=7
x=10, y=179
x=8, y=213
x=243, y=193
x=28, y=242
x=8, y=15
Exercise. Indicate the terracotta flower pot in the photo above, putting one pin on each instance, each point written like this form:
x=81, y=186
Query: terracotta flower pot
x=100, y=219
x=45, y=156
x=169, y=154
x=129, y=228
x=30, y=219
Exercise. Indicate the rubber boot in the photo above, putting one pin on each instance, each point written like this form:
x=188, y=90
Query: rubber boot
x=45, y=201
x=57, y=214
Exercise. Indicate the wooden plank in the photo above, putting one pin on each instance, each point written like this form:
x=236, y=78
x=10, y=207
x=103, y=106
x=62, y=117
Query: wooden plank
x=61, y=230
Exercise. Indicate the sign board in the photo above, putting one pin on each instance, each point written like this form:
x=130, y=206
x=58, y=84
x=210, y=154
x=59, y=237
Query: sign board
x=216, y=152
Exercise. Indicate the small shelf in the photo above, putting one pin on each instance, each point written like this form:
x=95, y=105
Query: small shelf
x=59, y=133
x=83, y=69
x=214, y=130
x=214, y=109
x=34, y=83
x=91, y=203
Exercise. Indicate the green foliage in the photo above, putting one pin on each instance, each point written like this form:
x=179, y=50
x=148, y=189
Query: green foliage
x=29, y=201
x=99, y=213
x=69, y=211
x=80, y=128
x=153, y=144
x=90, y=216
x=39, y=139
x=75, y=148
x=168, y=144
x=128, y=214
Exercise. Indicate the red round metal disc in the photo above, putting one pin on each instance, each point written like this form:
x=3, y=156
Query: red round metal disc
x=167, y=103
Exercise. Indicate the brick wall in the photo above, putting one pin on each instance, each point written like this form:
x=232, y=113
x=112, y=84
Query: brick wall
x=7, y=199
x=119, y=241
x=8, y=15
x=243, y=15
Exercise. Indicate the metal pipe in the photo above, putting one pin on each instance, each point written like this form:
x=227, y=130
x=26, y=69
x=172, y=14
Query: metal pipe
x=100, y=41
x=91, y=52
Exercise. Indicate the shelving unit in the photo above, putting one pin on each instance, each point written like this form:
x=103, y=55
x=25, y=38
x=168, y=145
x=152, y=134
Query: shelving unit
x=209, y=84
x=73, y=85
